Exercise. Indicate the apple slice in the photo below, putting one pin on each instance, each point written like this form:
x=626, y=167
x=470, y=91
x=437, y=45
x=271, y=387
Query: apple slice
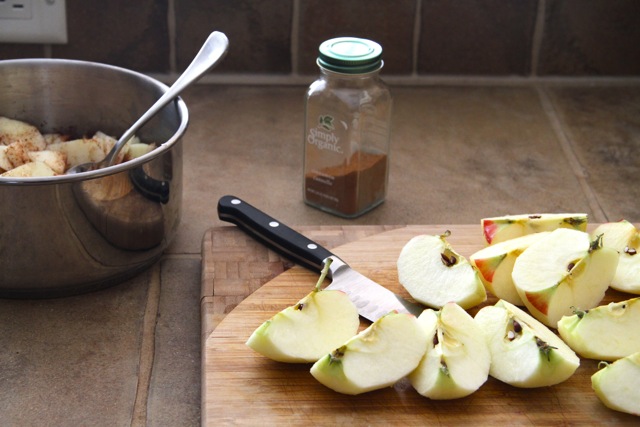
x=457, y=359
x=31, y=169
x=607, y=332
x=563, y=269
x=51, y=138
x=5, y=163
x=79, y=151
x=16, y=131
x=107, y=142
x=524, y=352
x=495, y=264
x=379, y=356
x=434, y=274
x=18, y=153
x=501, y=228
x=56, y=160
x=616, y=384
x=306, y=331
x=137, y=149
x=624, y=237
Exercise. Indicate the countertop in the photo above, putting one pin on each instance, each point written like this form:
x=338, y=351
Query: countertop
x=131, y=354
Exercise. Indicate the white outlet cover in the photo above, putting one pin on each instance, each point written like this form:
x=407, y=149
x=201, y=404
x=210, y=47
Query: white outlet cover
x=33, y=21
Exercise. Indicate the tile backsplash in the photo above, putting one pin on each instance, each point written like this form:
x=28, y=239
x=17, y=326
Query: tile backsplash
x=421, y=38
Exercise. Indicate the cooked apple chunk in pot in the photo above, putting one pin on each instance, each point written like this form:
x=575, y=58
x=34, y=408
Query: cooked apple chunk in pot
x=29, y=170
x=15, y=131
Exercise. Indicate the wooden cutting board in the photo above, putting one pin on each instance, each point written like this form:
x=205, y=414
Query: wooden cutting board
x=242, y=387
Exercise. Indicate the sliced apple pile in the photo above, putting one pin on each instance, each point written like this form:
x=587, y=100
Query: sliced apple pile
x=456, y=362
x=496, y=262
x=563, y=269
x=434, y=274
x=607, y=332
x=320, y=322
x=624, y=238
x=25, y=152
x=552, y=275
x=378, y=357
x=501, y=228
x=524, y=352
x=616, y=384
x=446, y=353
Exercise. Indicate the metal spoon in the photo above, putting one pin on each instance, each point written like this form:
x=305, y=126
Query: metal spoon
x=213, y=49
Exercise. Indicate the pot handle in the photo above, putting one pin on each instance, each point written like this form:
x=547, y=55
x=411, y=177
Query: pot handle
x=152, y=189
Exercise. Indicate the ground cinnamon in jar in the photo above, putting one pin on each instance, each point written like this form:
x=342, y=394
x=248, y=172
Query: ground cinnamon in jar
x=347, y=129
x=350, y=188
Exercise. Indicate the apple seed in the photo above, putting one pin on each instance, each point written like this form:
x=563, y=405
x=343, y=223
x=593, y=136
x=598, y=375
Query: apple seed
x=449, y=260
x=516, y=326
x=517, y=329
x=630, y=251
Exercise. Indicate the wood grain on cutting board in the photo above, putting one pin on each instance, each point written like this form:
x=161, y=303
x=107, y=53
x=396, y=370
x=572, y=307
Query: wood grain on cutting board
x=240, y=386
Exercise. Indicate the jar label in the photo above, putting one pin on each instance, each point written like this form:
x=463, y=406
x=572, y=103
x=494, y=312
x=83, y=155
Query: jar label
x=323, y=135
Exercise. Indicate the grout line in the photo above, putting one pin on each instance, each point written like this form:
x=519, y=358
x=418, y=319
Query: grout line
x=417, y=25
x=171, y=28
x=182, y=255
x=295, y=34
x=407, y=80
x=538, y=34
x=567, y=146
x=147, y=349
x=47, y=51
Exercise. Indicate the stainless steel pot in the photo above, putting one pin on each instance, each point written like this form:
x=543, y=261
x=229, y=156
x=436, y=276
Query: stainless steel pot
x=65, y=235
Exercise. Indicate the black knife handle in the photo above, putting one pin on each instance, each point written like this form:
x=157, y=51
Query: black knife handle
x=152, y=189
x=273, y=233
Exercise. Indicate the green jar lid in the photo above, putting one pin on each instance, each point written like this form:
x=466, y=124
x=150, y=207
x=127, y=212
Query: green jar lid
x=350, y=55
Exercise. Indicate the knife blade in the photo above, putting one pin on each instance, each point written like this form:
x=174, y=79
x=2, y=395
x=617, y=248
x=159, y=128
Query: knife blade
x=371, y=299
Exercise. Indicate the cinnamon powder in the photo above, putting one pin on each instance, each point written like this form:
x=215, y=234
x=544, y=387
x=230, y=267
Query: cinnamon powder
x=349, y=188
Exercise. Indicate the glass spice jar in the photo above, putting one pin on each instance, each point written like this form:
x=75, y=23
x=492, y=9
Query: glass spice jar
x=347, y=129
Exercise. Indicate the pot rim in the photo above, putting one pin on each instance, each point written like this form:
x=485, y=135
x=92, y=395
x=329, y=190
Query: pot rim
x=183, y=114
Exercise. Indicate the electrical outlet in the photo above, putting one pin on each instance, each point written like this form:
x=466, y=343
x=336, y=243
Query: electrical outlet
x=33, y=21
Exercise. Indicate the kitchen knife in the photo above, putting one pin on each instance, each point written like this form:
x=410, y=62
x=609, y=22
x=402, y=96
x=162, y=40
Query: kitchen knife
x=372, y=300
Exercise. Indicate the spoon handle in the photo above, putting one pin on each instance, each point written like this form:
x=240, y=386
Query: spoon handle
x=211, y=52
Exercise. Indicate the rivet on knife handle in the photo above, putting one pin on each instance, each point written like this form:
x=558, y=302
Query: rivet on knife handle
x=271, y=232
